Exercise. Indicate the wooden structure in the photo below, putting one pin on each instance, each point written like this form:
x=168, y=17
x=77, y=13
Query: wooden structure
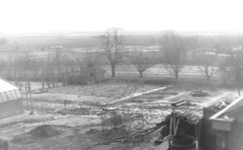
x=92, y=73
x=228, y=125
x=87, y=75
x=11, y=102
x=178, y=137
x=208, y=135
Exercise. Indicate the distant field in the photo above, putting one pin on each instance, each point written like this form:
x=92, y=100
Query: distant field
x=34, y=43
x=30, y=44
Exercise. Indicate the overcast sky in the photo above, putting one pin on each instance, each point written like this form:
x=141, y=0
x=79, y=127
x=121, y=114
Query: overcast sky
x=18, y=16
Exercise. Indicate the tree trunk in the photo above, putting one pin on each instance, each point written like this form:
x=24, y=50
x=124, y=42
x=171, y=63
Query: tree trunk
x=237, y=77
x=42, y=79
x=239, y=92
x=208, y=78
x=141, y=74
x=35, y=74
x=9, y=75
x=177, y=75
x=48, y=79
x=15, y=76
x=113, y=71
x=63, y=79
x=29, y=88
x=43, y=84
x=80, y=68
x=53, y=80
x=60, y=70
x=48, y=84
x=16, y=79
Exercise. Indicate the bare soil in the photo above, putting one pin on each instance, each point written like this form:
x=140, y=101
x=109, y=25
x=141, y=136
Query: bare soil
x=111, y=89
x=74, y=113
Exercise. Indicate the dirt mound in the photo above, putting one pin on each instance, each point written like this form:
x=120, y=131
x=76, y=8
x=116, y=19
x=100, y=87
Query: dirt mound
x=44, y=131
x=199, y=93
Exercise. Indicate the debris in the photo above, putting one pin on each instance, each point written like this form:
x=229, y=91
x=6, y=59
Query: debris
x=221, y=105
x=40, y=91
x=110, y=109
x=144, y=146
x=141, y=134
x=116, y=119
x=44, y=131
x=199, y=93
x=91, y=131
x=179, y=103
x=65, y=103
x=5, y=145
x=31, y=112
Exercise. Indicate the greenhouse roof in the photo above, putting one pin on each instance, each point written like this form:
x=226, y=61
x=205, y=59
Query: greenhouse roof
x=8, y=91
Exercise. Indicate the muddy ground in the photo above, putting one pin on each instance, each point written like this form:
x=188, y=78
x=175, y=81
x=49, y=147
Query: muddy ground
x=74, y=113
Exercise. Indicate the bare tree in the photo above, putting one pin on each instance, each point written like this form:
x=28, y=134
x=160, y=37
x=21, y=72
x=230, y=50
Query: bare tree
x=4, y=67
x=112, y=42
x=50, y=66
x=47, y=69
x=11, y=67
x=235, y=61
x=232, y=66
x=206, y=58
x=141, y=61
x=3, y=64
x=41, y=63
x=35, y=67
x=79, y=59
x=16, y=69
x=173, y=52
x=58, y=57
x=25, y=65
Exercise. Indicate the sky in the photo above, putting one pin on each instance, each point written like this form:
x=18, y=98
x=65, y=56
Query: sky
x=30, y=16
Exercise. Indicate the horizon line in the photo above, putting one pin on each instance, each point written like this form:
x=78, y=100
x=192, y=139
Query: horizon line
x=61, y=32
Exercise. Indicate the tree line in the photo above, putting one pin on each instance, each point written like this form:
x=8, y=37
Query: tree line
x=210, y=55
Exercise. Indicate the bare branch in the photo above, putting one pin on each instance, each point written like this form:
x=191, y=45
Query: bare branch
x=174, y=52
x=141, y=61
x=112, y=43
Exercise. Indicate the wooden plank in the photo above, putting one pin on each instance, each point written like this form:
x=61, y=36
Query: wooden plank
x=219, y=125
x=163, y=146
x=124, y=99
